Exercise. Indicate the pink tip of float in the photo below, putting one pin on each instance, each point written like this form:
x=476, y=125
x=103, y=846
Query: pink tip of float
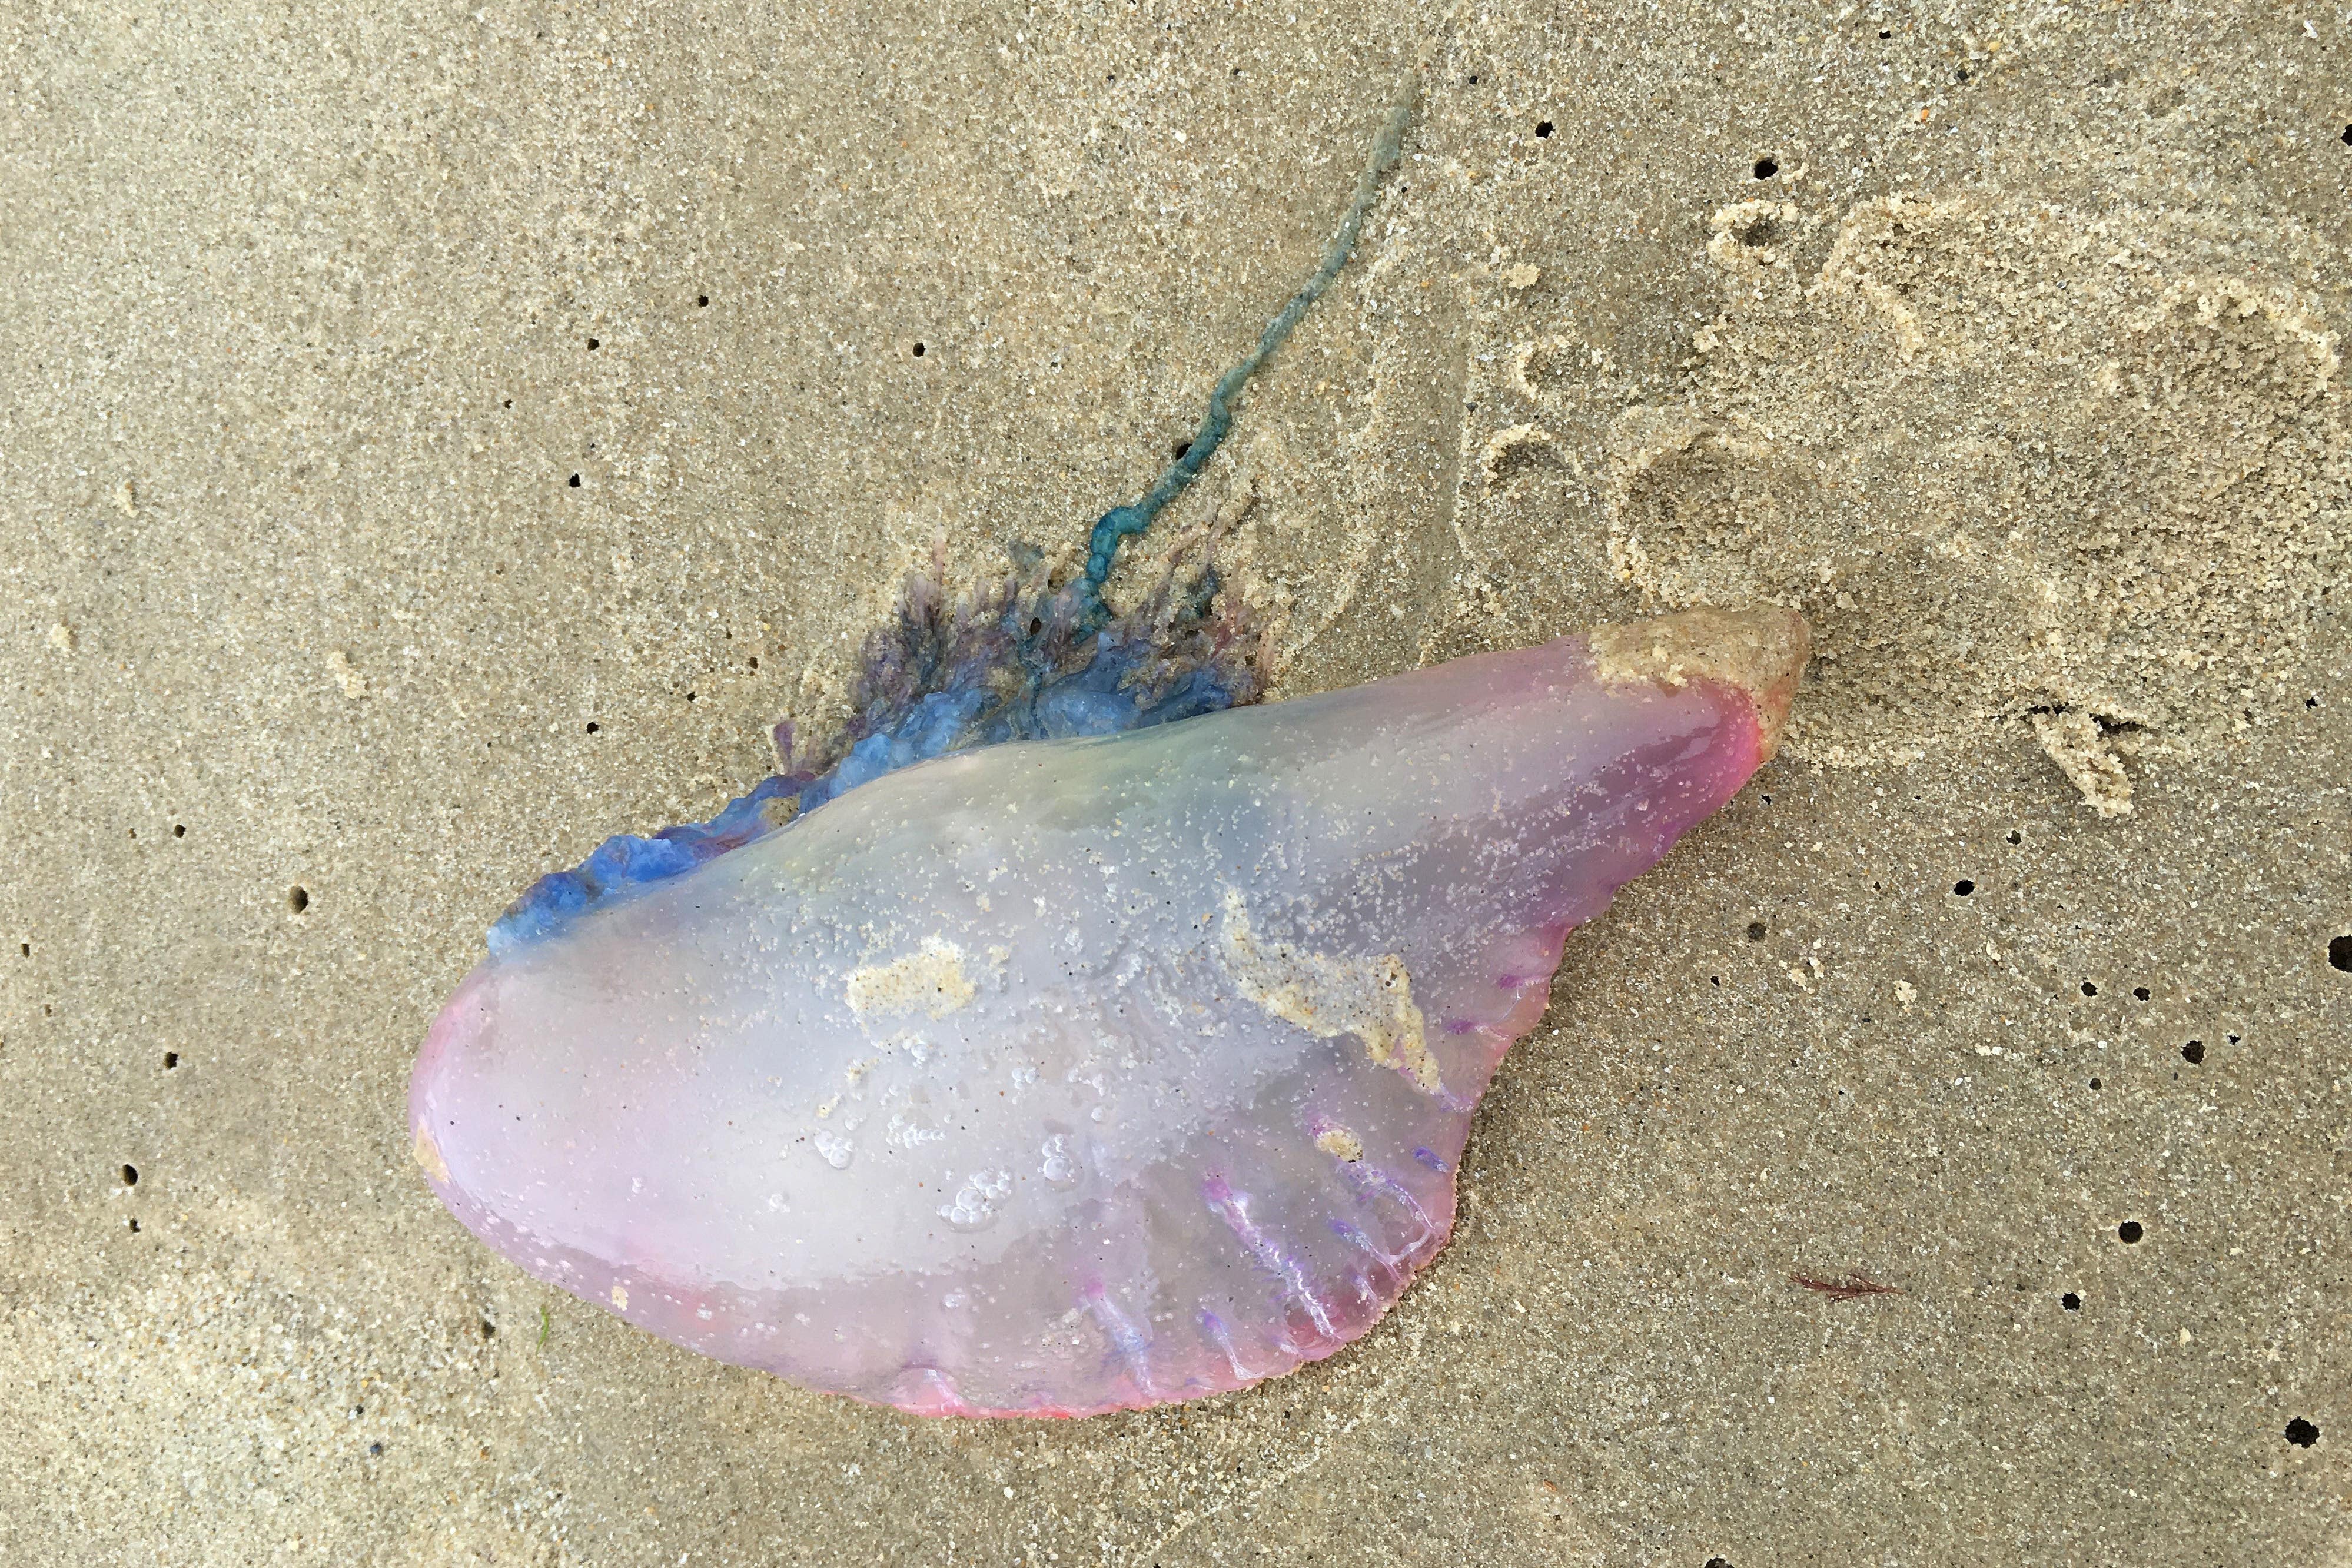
x=1760, y=652
x=1059, y=1077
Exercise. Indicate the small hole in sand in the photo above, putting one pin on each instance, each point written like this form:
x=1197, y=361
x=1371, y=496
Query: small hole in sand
x=1543, y=130
x=2015, y=837
x=2193, y=1053
x=595, y=728
x=2140, y=992
x=1766, y=168
x=2339, y=954
x=134, y=1228
x=129, y=1175
x=701, y=301
x=2299, y=1432
x=1963, y=887
x=1180, y=449
x=2089, y=989
x=298, y=899
x=179, y=830
x=1756, y=930
x=2071, y=1301
x=593, y=345
x=575, y=481
x=2095, y=1083
x=2130, y=1233
x=1884, y=34
x=170, y=1060
x=919, y=351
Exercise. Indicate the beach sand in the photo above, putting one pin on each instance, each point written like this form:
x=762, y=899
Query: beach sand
x=432, y=439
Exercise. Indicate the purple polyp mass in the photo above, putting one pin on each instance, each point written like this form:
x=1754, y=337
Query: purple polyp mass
x=1050, y=1077
x=1067, y=1034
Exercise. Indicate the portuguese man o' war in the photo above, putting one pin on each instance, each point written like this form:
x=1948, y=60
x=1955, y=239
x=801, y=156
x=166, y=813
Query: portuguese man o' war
x=1057, y=1076
x=1079, y=1033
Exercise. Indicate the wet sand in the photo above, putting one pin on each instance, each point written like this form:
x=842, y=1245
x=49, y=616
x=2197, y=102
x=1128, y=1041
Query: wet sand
x=431, y=443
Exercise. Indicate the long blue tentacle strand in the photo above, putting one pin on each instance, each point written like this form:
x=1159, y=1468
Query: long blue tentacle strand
x=1121, y=524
